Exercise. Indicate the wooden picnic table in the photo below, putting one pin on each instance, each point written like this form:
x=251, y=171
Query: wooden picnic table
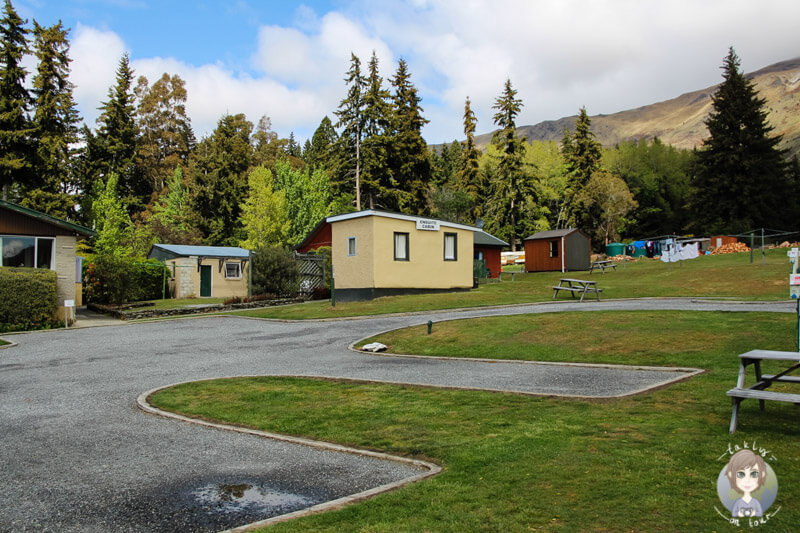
x=763, y=381
x=603, y=265
x=577, y=286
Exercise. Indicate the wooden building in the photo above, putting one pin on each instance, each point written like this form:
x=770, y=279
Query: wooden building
x=488, y=248
x=558, y=250
x=29, y=238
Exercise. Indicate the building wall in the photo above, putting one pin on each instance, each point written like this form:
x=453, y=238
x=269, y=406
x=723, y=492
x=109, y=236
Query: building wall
x=323, y=238
x=579, y=251
x=358, y=271
x=491, y=255
x=537, y=255
x=186, y=278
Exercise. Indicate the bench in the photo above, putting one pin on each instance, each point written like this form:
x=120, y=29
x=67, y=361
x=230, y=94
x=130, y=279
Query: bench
x=577, y=286
x=603, y=265
x=763, y=381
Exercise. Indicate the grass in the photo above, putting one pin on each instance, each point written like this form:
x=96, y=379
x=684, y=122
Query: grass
x=722, y=276
x=3, y=343
x=175, y=303
x=520, y=463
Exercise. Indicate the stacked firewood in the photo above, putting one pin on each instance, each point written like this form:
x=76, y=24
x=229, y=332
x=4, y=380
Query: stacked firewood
x=731, y=248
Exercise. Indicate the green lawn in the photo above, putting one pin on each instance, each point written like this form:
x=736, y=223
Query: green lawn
x=722, y=276
x=519, y=463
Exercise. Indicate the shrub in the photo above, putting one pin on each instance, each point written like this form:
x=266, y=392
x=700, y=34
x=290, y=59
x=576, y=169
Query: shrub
x=28, y=299
x=110, y=279
x=275, y=271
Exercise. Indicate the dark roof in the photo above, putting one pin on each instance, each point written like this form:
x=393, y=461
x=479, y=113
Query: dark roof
x=485, y=239
x=44, y=217
x=185, y=250
x=552, y=234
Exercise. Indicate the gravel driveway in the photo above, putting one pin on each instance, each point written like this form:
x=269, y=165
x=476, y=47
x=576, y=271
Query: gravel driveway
x=78, y=455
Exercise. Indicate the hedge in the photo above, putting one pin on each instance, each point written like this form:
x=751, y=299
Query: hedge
x=28, y=299
x=109, y=279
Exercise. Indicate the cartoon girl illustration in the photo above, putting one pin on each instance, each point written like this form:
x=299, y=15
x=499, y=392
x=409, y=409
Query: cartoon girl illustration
x=746, y=473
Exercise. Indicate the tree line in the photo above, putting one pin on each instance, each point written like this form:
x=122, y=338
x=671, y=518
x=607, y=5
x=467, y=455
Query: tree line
x=140, y=176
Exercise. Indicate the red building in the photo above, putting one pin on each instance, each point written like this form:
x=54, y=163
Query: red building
x=488, y=248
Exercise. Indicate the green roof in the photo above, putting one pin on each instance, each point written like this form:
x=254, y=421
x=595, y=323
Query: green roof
x=63, y=224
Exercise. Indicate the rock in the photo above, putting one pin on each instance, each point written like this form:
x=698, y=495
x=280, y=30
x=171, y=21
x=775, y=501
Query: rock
x=374, y=347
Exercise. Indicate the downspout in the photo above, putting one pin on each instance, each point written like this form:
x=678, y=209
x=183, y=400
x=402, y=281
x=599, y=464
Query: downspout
x=563, y=259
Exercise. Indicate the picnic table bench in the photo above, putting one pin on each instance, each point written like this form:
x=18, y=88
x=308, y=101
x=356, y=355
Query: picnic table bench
x=602, y=266
x=763, y=381
x=577, y=286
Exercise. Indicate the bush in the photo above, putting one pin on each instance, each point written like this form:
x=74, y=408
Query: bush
x=28, y=299
x=110, y=279
x=275, y=271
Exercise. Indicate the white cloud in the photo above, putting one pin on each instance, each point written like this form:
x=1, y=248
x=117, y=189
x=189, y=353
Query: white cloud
x=95, y=57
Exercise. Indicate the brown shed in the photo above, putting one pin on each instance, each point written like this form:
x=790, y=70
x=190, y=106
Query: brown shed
x=560, y=249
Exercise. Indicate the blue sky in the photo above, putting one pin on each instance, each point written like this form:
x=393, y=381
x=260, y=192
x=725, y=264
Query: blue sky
x=286, y=59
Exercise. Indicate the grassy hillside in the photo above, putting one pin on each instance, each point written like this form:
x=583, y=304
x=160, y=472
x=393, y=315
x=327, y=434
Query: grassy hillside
x=680, y=121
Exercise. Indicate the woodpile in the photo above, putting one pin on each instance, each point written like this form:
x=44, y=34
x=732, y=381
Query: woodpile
x=787, y=244
x=731, y=248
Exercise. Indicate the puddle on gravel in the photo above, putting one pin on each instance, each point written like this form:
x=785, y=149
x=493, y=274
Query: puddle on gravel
x=230, y=498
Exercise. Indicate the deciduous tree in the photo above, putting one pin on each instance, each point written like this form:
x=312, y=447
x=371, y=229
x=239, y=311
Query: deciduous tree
x=264, y=217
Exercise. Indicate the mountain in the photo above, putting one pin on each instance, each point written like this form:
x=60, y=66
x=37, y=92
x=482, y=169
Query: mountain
x=680, y=121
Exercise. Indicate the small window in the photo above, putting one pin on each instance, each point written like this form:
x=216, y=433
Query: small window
x=233, y=271
x=450, y=247
x=351, y=246
x=553, y=248
x=401, y=246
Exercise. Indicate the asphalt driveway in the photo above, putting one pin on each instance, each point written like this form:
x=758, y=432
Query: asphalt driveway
x=78, y=455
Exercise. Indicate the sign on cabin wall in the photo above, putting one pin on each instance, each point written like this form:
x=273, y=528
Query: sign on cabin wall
x=428, y=225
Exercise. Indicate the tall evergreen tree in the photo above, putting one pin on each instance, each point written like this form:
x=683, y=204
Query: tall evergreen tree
x=469, y=177
x=582, y=154
x=165, y=130
x=376, y=182
x=319, y=152
x=741, y=180
x=55, y=125
x=219, y=170
x=409, y=159
x=268, y=148
x=172, y=219
x=16, y=147
x=117, y=140
x=512, y=190
x=351, y=119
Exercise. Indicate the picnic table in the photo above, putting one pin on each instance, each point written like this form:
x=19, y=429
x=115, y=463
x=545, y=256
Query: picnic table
x=577, y=286
x=602, y=266
x=763, y=381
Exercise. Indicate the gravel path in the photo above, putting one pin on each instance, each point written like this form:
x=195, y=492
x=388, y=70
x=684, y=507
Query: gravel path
x=78, y=455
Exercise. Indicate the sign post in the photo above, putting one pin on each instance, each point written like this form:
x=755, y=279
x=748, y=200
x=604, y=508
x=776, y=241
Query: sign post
x=69, y=306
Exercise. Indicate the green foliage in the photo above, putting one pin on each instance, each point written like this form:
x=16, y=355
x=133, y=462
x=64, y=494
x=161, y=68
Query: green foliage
x=308, y=199
x=264, y=214
x=28, y=299
x=219, y=170
x=16, y=151
x=322, y=143
x=352, y=121
x=171, y=219
x=468, y=177
x=275, y=271
x=111, y=222
x=741, y=180
x=582, y=154
x=453, y=205
x=612, y=200
x=117, y=280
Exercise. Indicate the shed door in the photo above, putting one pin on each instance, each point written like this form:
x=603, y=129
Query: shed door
x=205, y=281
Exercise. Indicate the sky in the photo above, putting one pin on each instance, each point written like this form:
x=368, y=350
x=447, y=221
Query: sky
x=287, y=60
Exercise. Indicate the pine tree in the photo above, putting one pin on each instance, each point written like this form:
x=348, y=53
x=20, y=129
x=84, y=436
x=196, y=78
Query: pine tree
x=322, y=145
x=741, y=180
x=172, y=219
x=117, y=140
x=410, y=163
x=469, y=176
x=351, y=118
x=512, y=190
x=219, y=170
x=165, y=130
x=582, y=154
x=55, y=125
x=16, y=147
x=376, y=182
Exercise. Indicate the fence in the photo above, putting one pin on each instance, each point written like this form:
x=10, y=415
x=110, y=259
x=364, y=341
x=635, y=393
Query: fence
x=312, y=272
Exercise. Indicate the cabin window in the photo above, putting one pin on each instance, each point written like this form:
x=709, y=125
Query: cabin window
x=351, y=246
x=401, y=246
x=450, y=247
x=30, y=252
x=553, y=248
x=233, y=271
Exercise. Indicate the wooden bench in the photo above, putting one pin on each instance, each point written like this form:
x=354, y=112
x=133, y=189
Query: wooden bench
x=577, y=286
x=763, y=381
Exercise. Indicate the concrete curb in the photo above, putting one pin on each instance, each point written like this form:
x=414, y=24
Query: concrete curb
x=429, y=469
